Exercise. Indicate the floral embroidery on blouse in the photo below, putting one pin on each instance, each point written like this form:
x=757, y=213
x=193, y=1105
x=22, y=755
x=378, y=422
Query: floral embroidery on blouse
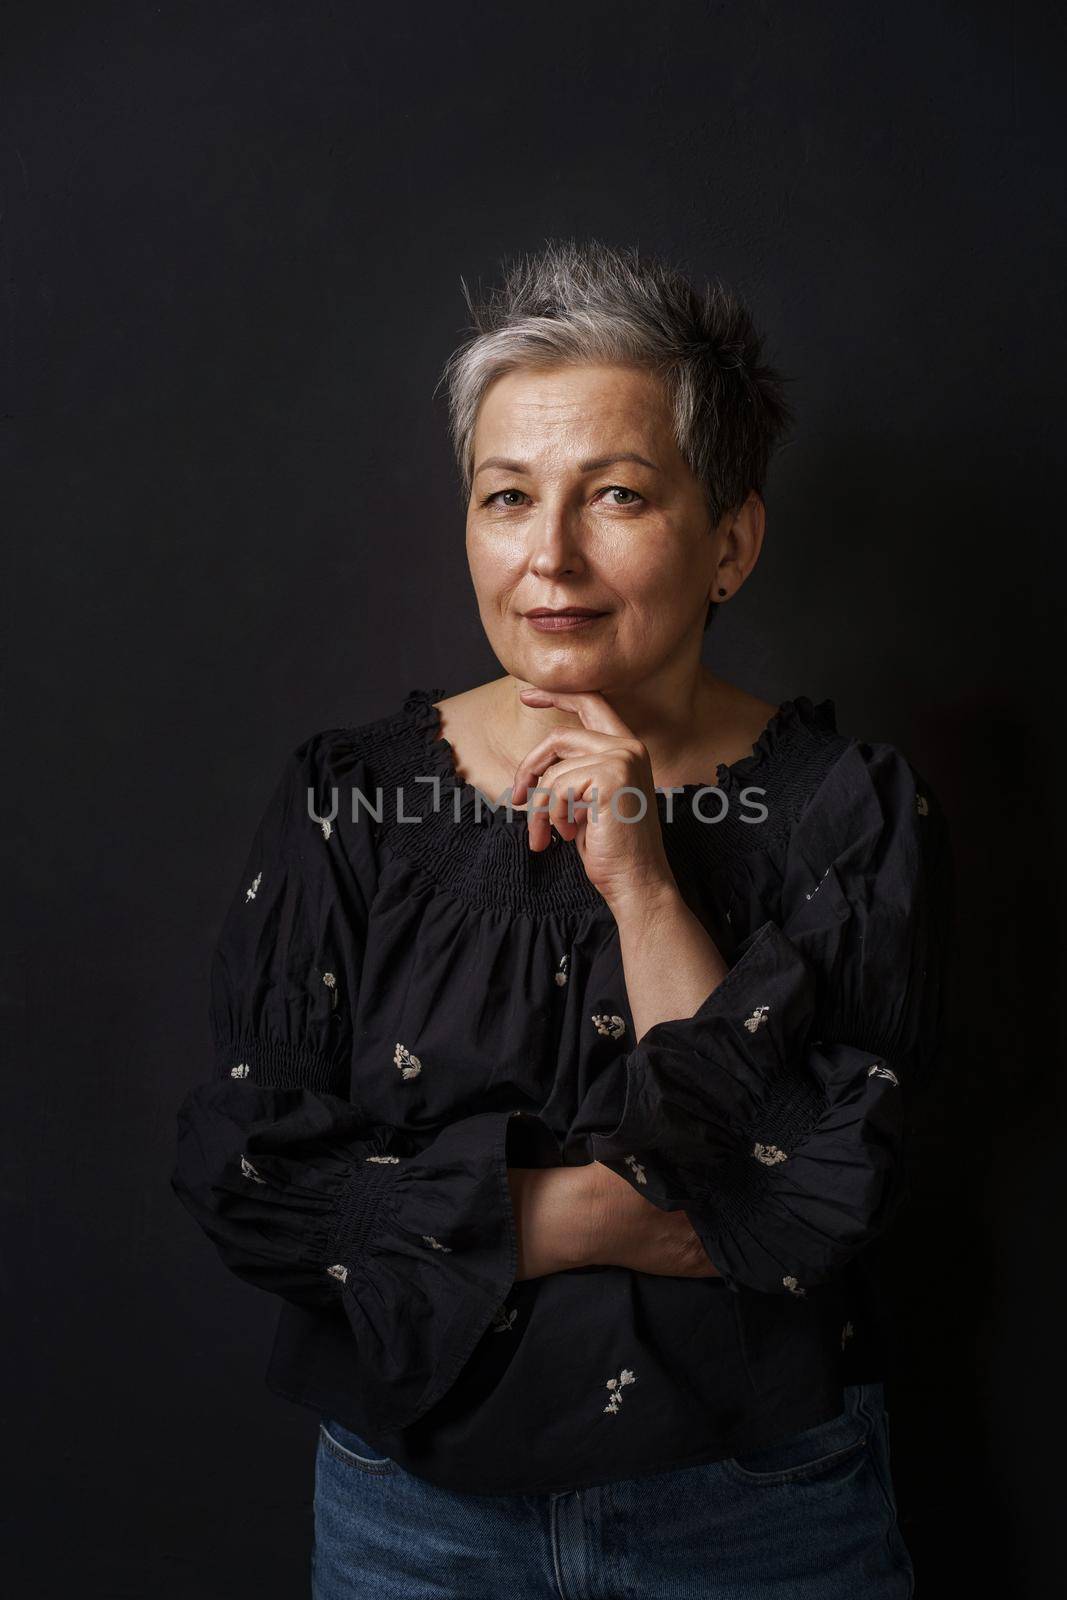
x=410, y=1066
x=331, y=983
x=793, y=1286
x=878, y=1071
x=240, y=1070
x=250, y=892
x=616, y=1386
x=249, y=1170
x=757, y=1019
x=636, y=1168
x=611, y=1027
x=382, y=1159
x=503, y=1319
x=561, y=971
x=769, y=1154
x=846, y=1333
x=436, y=1243
x=338, y=1271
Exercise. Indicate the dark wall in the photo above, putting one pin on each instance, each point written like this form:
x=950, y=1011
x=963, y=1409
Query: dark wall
x=232, y=238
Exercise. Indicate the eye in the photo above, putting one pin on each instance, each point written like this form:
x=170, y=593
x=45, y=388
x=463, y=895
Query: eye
x=612, y=489
x=488, y=501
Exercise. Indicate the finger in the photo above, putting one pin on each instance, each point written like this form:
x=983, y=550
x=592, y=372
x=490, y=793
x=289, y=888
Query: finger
x=570, y=786
x=592, y=709
x=568, y=792
x=592, y=785
x=562, y=789
x=562, y=744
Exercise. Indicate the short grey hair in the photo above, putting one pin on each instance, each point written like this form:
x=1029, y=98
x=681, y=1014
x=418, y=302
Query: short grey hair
x=591, y=302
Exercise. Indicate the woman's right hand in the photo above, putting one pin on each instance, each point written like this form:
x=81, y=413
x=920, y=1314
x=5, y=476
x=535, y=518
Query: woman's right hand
x=626, y=1230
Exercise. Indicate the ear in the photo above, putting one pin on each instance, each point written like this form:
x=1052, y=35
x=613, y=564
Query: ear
x=741, y=537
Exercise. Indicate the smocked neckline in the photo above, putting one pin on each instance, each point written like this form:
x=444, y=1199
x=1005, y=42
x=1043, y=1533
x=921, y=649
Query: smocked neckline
x=482, y=855
x=419, y=706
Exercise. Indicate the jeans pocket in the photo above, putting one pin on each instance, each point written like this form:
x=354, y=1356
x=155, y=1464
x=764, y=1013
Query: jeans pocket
x=828, y=1451
x=352, y=1451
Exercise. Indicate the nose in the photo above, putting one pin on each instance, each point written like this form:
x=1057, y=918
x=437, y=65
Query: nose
x=555, y=543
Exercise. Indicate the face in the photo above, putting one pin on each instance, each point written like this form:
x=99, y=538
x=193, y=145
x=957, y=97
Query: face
x=580, y=498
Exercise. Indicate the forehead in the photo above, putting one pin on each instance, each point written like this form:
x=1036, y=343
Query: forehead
x=572, y=407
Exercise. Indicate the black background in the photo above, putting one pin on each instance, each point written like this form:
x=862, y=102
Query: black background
x=232, y=237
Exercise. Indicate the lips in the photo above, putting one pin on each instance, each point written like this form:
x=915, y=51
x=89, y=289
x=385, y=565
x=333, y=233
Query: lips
x=569, y=619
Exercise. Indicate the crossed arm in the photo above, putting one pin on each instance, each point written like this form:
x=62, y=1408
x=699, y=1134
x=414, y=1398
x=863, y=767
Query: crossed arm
x=586, y=1215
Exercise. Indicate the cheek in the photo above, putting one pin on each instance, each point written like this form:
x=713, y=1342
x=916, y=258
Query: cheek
x=655, y=575
x=495, y=564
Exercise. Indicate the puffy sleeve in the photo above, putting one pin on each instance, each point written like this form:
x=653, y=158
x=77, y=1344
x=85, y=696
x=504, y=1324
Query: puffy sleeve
x=775, y=1115
x=411, y=1239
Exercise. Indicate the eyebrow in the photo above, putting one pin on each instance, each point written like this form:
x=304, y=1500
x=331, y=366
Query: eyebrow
x=585, y=466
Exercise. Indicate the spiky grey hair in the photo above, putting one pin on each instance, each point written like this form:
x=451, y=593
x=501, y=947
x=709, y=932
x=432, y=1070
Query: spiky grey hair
x=591, y=302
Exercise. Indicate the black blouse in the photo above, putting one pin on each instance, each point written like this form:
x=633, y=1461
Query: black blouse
x=406, y=1000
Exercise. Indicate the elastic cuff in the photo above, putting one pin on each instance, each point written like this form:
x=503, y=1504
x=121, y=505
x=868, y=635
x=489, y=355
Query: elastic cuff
x=274, y=1065
x=794, y=1104
x=361, y=1203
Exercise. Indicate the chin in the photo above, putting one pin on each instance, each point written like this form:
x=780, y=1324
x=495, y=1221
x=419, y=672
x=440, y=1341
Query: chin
x=565, y=677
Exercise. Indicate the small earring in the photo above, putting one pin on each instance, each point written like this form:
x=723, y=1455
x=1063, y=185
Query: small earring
x=722, y=591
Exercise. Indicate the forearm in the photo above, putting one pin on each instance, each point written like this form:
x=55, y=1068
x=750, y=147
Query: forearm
x=670, y=965
x=670, y=961
x=586, y=1216
x=552, y=1218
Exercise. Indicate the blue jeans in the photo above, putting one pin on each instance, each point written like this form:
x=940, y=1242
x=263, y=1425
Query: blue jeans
x=812, y=1517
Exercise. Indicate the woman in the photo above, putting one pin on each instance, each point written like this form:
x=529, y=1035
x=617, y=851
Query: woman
x=561, y=1130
